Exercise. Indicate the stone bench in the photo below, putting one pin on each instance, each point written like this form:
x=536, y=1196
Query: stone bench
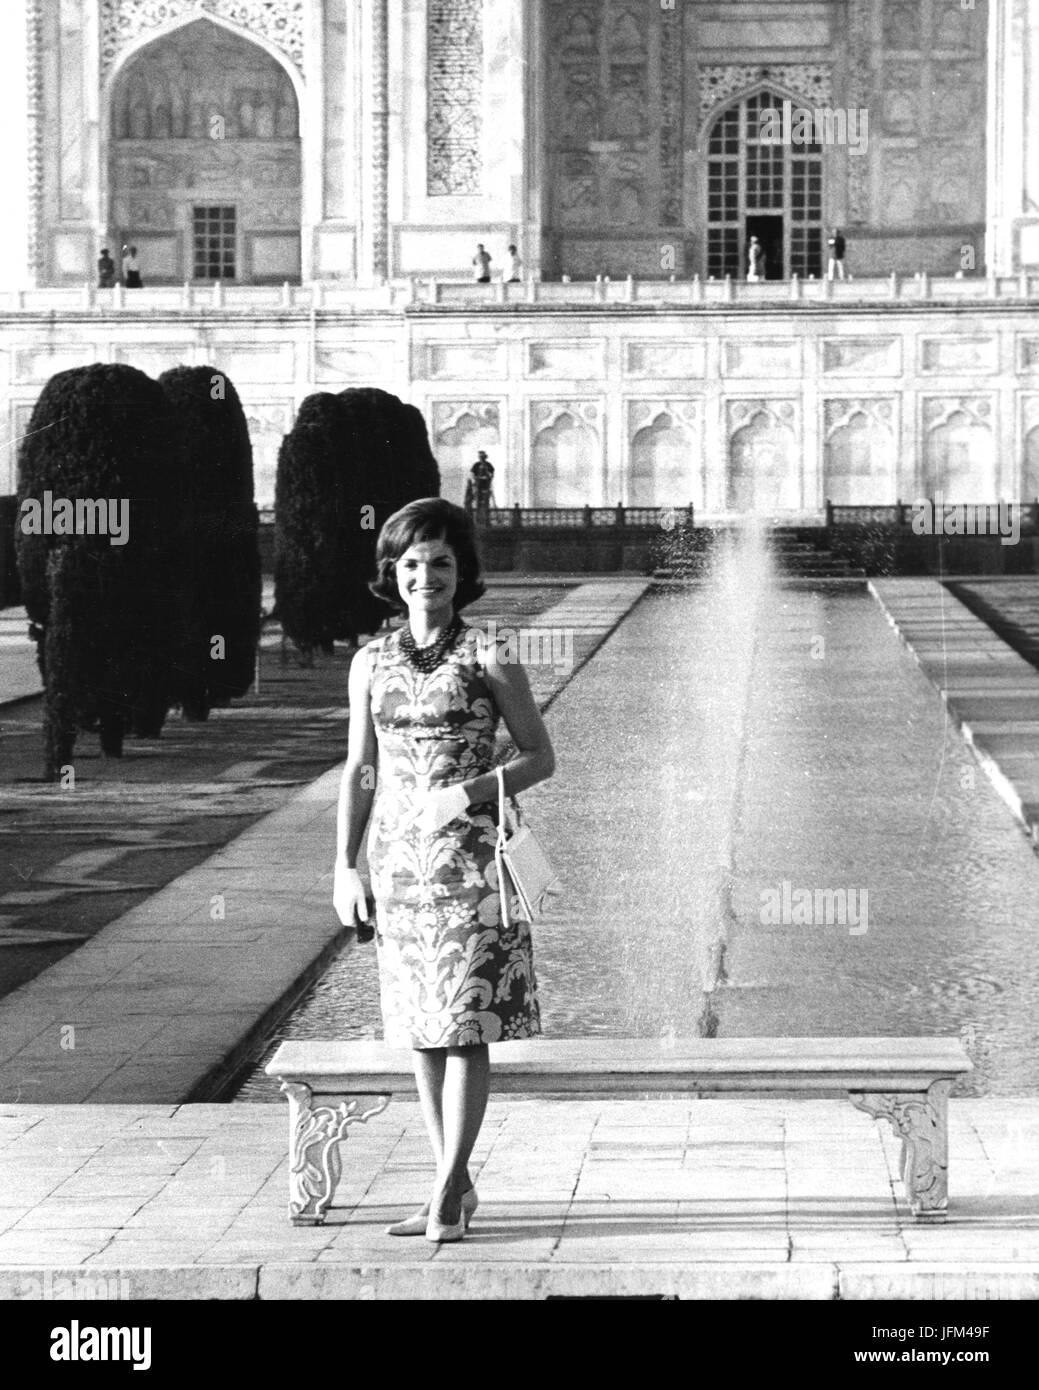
x=332, y=1085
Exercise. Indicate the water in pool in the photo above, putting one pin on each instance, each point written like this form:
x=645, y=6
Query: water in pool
x=766, y=825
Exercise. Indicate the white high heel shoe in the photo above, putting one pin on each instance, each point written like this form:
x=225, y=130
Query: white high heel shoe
x=442, y=1234
x=415, y=1225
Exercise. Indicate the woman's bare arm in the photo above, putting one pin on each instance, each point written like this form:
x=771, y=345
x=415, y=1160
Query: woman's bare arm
x=357, y=789
x=535, y=761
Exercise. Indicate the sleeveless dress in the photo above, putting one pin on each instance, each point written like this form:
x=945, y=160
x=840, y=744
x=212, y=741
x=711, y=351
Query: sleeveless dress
x=450, y=975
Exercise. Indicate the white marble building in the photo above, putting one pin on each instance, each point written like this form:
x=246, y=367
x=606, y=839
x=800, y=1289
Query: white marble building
x=294, y=172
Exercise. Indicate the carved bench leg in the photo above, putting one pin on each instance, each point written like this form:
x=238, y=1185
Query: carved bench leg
x=922, y=1121
x=315, y=1163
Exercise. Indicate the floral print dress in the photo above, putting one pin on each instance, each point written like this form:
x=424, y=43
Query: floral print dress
x=450, y=975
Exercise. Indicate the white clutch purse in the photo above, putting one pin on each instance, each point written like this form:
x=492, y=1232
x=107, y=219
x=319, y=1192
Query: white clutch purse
x=522, y=864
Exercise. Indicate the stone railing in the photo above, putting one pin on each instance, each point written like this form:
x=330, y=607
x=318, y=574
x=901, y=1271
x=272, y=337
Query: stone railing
x=979, y=518
x=426, y=294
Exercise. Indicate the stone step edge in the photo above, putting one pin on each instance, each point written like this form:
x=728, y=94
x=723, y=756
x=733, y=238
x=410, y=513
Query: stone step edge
x=435, y=1278
x=1025, y=811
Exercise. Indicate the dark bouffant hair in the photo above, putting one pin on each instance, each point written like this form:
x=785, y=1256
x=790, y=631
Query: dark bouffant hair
x=427, y=519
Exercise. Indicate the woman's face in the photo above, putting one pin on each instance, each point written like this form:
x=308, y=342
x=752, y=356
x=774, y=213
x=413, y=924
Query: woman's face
x=427, y=580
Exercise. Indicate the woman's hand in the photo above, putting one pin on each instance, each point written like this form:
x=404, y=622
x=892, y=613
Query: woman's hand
x=348, y=895
x=439, y=807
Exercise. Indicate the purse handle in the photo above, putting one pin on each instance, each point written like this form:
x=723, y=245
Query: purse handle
x=502, y=841
x=499, y=850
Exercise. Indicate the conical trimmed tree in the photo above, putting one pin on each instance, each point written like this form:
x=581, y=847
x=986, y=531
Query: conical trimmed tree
x=350, y=461
x=216, y=649
x=99, y=435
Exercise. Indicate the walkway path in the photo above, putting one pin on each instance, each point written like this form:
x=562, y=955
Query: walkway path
x=724, y=1198
x=19, y=673
x=991, y=692
x=162, y=1001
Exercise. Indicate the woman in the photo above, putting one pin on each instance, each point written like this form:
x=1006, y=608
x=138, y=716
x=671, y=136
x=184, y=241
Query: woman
x=425, y=702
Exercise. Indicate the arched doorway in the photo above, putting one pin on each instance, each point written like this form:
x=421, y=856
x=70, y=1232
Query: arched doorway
x=757, y=186
x=205, y=169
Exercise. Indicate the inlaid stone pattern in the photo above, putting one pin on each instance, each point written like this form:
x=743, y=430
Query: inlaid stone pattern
x=671, y=111
x=280, y=22
x=720, y=81
x=454, y=84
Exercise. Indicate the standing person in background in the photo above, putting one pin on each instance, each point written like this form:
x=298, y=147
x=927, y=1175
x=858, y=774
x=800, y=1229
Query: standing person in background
x=513, y=267
x=755, y=260
x=131, y=269
x=836, y=243
x=482, y=265
x=105, y=270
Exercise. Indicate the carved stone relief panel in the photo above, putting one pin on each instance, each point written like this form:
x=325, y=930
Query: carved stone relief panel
x=902, y=24
x=1030, y=448
x=280, y=22
x=959, y=448
x=901, y=99
x=203, y=83
x=859, y=450
x=36, y=365
x=461, y=360
x=566, y=452
x=358, y=362
x=562, y=359
x=1027, y=354
x=154, y=358
x=262, y=362
x=901, y=182
x=665, y=454
x=764, y=358
x=665, y=359
x=764, y=472
x=968, y=355
x=460, y=429
x=862, y=356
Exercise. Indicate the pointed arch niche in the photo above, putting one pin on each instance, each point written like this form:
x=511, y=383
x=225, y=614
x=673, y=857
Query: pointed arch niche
x=754, y=186
x=203, y=157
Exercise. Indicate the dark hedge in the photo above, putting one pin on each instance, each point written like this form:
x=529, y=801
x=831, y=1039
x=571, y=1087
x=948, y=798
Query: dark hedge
x=107, y=612
x=219, y=544
x=349, y=462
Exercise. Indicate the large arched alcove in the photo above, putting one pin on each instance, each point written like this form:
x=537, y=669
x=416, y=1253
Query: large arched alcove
x=204, y=160
x=758, y=185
